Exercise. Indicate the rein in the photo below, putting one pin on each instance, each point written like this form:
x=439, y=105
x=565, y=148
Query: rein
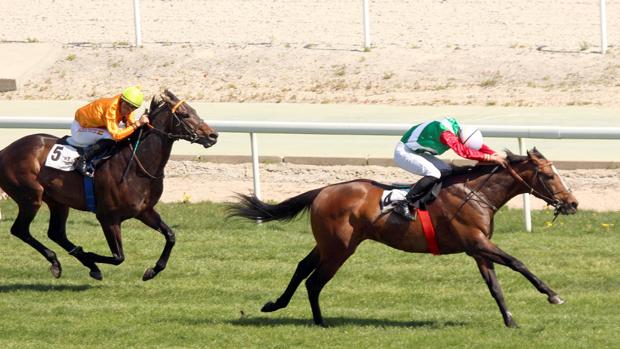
x=190, y=136
x=473, y=193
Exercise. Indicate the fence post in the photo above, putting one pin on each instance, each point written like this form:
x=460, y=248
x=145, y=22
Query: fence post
x=366, y=25
x=255, y=168
x=527, y=214
x=136, y=19
x=603, y=28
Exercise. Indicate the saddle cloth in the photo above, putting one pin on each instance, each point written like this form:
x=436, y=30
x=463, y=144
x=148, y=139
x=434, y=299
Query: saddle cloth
x=62, y=157
x=390, y=197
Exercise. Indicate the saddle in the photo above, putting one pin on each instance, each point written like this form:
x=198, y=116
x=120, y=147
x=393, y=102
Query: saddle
x=393, y=193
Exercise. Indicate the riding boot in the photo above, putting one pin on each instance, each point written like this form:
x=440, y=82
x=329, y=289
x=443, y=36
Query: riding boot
x=82, y=165
x=418, y=190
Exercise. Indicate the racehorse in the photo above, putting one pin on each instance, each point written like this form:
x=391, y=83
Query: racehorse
x=128, y=185
x=345, y=214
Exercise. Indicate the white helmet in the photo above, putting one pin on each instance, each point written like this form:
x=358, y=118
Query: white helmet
x=471, y=137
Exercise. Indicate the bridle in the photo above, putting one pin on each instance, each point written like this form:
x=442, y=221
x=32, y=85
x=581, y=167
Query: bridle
x=190, y=135
x=550, y=196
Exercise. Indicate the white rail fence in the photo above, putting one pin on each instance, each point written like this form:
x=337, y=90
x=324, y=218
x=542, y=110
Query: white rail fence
x=367, y=129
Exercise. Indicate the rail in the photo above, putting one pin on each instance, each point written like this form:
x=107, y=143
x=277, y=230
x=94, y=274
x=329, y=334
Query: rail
x=368, y=129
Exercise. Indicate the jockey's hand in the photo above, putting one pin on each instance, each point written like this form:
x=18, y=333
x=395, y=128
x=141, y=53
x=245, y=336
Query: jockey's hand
x=498, y=159
x=144, y=119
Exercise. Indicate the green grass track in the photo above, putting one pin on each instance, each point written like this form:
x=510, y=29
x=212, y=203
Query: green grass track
x=222, y=271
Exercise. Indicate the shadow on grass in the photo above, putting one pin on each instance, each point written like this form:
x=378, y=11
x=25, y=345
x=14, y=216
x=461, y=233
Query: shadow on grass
x=342, y=321
x=43, y=288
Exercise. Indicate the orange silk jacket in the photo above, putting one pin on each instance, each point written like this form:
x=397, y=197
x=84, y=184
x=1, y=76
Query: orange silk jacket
x=105, y=113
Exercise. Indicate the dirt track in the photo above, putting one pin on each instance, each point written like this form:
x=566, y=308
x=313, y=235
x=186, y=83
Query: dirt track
x=194, y=181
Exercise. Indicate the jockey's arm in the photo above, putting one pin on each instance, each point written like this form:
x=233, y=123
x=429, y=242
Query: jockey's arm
x=485, y=149
x=116, y=132
x=450, y=139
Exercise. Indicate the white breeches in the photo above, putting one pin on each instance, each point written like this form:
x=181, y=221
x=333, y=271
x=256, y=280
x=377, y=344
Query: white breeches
x=83, y=136
x=423, y=164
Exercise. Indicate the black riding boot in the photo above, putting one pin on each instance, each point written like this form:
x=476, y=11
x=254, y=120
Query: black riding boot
x=81, y=163
x=418, y=190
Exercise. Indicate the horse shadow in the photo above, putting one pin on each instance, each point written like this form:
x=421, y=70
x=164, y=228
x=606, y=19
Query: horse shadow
x=43, y=288
x=342, y=321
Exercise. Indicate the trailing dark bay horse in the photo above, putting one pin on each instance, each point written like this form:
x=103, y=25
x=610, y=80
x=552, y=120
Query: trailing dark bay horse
x=27, y=181
x=345, y=214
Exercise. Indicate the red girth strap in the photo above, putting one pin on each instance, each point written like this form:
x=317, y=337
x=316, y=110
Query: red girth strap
x=429, y=231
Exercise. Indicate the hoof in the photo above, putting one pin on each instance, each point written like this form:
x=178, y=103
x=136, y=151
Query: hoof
x=56, y=270
x=149, y=274
x=509, y=321
x=556, y=300
x=269, y=307
x=96, y=274
x=321, y=324
x=512, y=324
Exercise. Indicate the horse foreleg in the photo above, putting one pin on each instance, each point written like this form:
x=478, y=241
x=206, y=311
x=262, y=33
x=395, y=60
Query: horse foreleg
x=152, y=219
x=490, y=251
x=487, y=270
x=304, y=268
x=57, y=232
x=21, y=229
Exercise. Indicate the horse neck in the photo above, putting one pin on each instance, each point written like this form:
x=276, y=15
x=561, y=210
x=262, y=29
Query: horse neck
x=156, y=149
x=499, y=188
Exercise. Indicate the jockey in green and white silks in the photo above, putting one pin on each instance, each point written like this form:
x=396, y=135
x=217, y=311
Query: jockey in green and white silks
x=416, y=153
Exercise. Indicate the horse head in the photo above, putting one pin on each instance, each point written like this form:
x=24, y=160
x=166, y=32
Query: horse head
x=542, y=179
x=181, y=120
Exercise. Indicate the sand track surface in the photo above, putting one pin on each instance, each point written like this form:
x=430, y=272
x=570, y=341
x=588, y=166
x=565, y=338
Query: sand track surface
x=194, y=181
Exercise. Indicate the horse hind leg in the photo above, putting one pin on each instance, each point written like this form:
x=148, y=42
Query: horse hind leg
x=57, y=232
x=21, y=229
x=304, y=268
x=320, y=277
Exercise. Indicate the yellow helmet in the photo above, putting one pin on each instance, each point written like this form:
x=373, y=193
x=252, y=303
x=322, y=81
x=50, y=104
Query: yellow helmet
x=133, y=96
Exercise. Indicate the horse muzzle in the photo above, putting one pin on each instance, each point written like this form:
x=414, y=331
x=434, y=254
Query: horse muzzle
x=566, y=208
x=208, y=140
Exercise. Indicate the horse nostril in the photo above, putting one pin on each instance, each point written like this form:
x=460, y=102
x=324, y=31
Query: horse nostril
x=213, y=136
x=574, y=204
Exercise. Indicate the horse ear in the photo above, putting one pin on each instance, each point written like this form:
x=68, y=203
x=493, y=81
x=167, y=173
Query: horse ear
x=165, y=98
x=154, y=103
x=171, y=96
x=535, y=154
x=538, y=153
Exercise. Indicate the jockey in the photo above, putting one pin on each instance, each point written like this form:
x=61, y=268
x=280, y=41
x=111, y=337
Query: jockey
x=101, y=123
x=416, y=152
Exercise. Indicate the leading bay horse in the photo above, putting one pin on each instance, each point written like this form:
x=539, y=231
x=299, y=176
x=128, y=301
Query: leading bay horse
x=345, y=214
x=126, y=186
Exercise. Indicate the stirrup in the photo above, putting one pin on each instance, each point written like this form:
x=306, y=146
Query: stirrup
x=402, y=209
x=81, y=166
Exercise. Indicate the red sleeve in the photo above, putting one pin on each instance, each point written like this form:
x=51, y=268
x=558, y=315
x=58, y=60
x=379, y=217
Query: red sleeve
x=448, y=138
x=487, y=150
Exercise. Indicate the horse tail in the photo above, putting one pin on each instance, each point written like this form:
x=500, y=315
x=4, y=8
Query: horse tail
x=251, y=207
